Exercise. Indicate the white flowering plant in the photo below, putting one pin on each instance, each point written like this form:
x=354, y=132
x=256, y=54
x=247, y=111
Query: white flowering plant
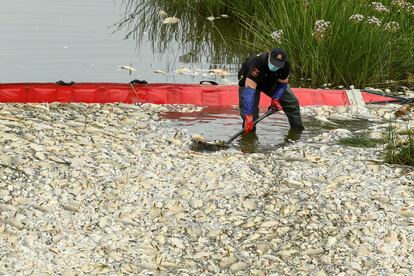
x=320, y=28
x=372, y=20
x=357, y=17
x=379, y=7
x=277, y=36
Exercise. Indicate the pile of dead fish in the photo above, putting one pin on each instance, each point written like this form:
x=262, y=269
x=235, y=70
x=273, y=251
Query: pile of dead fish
x=88, y=189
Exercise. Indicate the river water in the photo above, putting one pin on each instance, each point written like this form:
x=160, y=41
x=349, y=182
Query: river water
x=50, y=40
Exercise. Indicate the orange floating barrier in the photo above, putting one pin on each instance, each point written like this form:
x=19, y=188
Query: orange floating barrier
x=163, y=93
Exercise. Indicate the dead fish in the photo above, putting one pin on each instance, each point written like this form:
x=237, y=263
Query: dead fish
x=177, y=243
x=196, y=203
x=162, y=13
x=21, y=201
x=15, y=223
x=240, y=266
x=147, y=266
x=250, y=204
x=171, y=20
x=220, y=72
x=71, y=208
x=324, y=120
x=227, y=262
x=6, y=160
x=156, y=71
x=7, y=207
x=407, y=213
x=211, y=18
x=184, y=71
x=127, y=67
x=126, y=222
x=287, y=253
x=41, y=208
x=403, y=110
x=74, y=124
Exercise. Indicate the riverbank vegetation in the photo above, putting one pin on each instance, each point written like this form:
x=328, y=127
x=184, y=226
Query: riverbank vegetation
x=336, y=42
x=340, y=42
x=399, y=148
x=398, y=145
x=361, y=140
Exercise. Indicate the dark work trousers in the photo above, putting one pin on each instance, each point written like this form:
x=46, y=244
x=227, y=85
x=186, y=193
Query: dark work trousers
x=289, y=103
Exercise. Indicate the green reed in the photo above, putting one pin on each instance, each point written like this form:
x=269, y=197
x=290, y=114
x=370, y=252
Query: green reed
x=361, y=140
x=399, y=148
x=345, y=53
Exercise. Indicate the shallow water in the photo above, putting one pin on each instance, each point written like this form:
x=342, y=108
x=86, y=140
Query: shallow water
x=222, y=123
x=272, y=132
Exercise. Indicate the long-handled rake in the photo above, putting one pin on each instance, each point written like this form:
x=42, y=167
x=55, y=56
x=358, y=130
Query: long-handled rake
x=201, y=145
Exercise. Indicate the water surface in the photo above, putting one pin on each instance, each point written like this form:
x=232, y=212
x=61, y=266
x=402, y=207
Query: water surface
x=50, y=40
x=271, y=133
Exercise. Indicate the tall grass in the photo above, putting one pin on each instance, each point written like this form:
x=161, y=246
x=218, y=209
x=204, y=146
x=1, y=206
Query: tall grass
x=348, y=53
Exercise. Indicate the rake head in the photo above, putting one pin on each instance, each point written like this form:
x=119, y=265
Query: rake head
x=199, y=144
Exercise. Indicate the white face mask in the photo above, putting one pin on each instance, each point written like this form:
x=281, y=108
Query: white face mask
x=272, y=67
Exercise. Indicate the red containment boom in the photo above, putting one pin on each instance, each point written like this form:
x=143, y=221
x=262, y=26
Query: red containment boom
x=162, y=93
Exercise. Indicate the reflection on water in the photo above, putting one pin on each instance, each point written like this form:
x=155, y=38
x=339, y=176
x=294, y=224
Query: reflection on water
x=218, y=40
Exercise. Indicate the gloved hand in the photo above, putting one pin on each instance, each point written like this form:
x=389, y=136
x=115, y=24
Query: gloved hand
x=275, y=105
x=276, y=95
x=248, y=123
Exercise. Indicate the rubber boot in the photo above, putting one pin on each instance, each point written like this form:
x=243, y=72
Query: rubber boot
x=290, y=105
